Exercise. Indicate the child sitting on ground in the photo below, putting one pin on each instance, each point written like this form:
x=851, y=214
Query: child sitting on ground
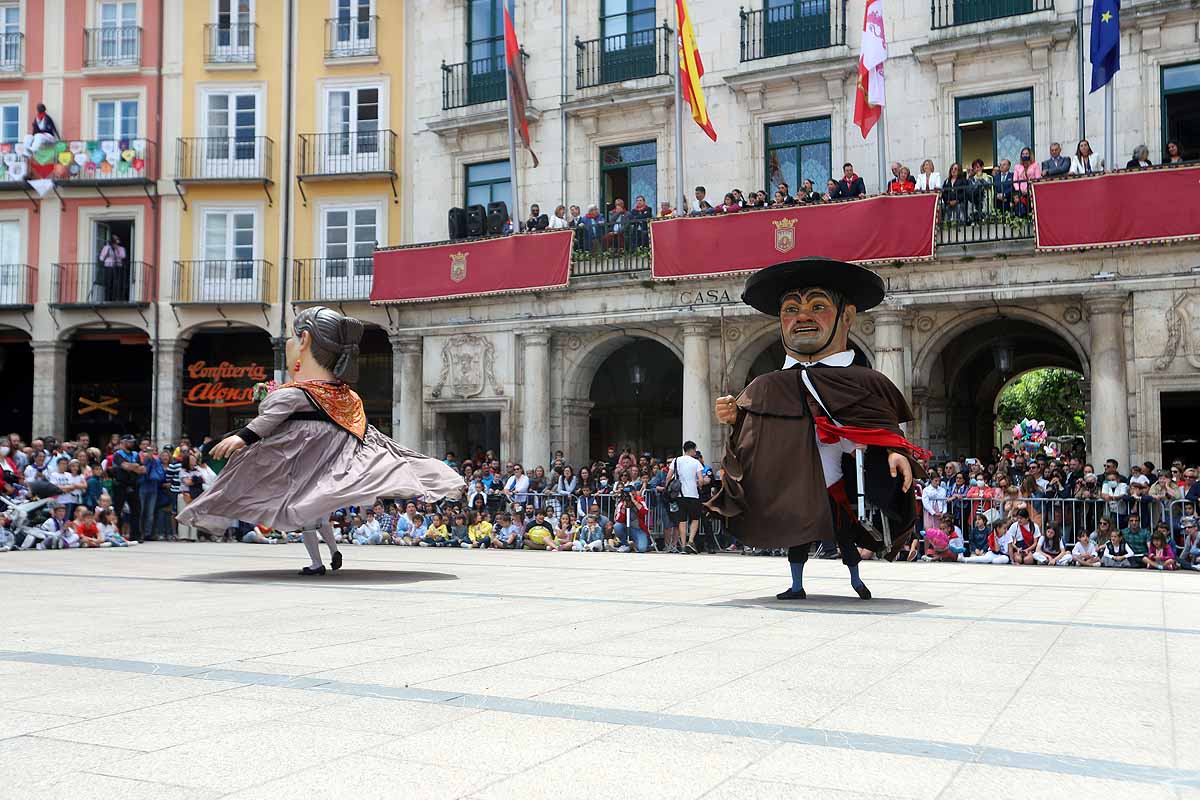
x=1084, y=554
x=84, y=526
x=591, y=536
x=8, y=539
x=540, y=534
x=110, y=531
x=480, y=531
x=459, y=532
x=1050, y=548
x=437, y=534
x=1159, y=553
x=998, y=543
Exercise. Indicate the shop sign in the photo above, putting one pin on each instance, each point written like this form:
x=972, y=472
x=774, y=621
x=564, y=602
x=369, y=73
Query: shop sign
x=222, y=385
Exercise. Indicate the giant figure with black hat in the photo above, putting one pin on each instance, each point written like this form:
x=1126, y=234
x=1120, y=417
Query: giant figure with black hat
x=788, y=469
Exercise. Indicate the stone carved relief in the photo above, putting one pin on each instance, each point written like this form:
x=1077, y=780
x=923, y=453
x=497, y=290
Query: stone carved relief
x=1183, y=332
x=1072, y=315
x=468, y=367
x=925, y=323
x=866, y=326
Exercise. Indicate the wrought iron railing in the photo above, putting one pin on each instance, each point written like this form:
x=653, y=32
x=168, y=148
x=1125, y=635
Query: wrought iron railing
x=362, y=152
x=351, y=38
x=223, y=282
x=224, y=159
x=117, y=46
x=623, y=57
x=948, y=13
x=230, y=44
x=975, y=214
x=18, y=285
x=473, y=82
x=12, y=52
x=803, y=25
x=320, y=279
x=605, y=248
x=92, y=283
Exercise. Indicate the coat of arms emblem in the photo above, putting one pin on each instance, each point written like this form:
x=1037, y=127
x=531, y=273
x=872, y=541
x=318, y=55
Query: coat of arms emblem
x=458, y=267
x=785, y=234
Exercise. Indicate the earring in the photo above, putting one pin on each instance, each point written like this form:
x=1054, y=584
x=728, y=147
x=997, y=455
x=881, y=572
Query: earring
x=296, y=367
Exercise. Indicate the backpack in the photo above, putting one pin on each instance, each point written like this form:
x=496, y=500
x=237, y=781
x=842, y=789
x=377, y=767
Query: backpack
x=674, y=485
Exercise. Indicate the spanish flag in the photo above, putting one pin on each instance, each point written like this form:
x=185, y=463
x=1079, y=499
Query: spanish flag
x=691, y=70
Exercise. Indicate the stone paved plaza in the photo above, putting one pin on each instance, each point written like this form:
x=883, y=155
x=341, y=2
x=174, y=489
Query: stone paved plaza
x=207, y=670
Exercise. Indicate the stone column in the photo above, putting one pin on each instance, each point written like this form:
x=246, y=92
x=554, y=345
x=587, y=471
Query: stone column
x=168, y=403
x=408, y=390
x=889, y=347
x=49, y=389
x=1110, y=399
x=535, y=400
x=697, y=393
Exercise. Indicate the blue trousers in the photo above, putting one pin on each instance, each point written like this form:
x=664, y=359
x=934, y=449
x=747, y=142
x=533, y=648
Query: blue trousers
x=641, y=541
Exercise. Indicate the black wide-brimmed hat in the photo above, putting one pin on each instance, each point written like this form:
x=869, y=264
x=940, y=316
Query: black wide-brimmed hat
x=859, y=286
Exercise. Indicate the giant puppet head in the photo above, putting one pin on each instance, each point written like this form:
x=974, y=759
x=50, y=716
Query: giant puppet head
x=816, y=301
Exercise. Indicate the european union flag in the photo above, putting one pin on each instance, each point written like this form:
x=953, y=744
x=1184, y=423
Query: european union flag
x=1106, y=41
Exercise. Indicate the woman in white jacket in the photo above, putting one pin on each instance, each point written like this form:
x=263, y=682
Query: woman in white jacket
x=1085, y=162
x=928, y=180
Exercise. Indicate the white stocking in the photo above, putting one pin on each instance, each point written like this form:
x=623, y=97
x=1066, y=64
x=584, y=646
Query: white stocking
x=326, y=531
x=313, y=546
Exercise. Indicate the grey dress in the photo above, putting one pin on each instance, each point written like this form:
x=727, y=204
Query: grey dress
x=301, y=470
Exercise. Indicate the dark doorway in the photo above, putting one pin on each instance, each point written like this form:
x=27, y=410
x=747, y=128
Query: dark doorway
x=16, y=385
x=119, y=280
x=220, y=368
x=773, y=357
x=471, y=434
x=109, y=384
x=375, y=379
x=629, y=170
x=1180, y=427
x=1181, y=108
x=637, y=398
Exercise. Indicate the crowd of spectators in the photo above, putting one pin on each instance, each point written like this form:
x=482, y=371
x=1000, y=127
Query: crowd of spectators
x=969, y=194
x=1015, y=507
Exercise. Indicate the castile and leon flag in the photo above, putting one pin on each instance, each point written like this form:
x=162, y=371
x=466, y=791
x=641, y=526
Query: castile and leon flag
x=868, y=100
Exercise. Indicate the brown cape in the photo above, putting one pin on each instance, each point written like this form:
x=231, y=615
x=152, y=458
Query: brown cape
x=773, y=490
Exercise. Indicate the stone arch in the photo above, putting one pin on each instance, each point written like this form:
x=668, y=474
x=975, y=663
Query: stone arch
x=217, y=323
x=16, y=381
x=956, y=379
x=594, y=351
x=924, y=360
x=94, y=326
x=760, y=336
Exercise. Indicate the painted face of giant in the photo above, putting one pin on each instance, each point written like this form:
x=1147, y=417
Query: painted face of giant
x=806, y=319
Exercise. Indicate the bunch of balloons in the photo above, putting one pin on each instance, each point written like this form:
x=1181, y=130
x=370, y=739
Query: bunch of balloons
x=1030, y=434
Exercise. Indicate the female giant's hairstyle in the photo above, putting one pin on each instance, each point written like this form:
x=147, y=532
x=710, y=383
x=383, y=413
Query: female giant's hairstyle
x=335, y=339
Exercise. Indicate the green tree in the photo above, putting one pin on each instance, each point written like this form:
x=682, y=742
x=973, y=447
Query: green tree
x=1052, y=395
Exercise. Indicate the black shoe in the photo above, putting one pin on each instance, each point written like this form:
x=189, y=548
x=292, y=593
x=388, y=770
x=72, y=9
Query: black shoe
x=791, y=595
x=863, y=591
x=337, y=560
x=691, y=550
x=310, y=571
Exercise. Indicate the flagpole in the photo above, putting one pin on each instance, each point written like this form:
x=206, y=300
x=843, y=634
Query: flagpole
x=515, y=212
x=881, y=142
x=680, y=191
x=1110, y=149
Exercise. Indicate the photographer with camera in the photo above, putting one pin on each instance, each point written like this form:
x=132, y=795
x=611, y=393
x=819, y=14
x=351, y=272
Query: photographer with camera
x=629, y=522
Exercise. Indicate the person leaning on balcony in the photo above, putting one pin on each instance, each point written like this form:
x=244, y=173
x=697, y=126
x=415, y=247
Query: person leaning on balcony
x=929, y=179
x=1141, y=158
x=808, y=194
x=1057, y=164
x=851, y=185
x=537, y=220
x=44, y=129
x=1085, y=162
x=590, y=227
x=1002, y=183
x=1027, y=170
x=1174, y=154
x=903, y=183
x=980, y=183
x=559, y=221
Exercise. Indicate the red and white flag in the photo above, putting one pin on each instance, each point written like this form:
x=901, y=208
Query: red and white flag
x=518, y=90
x=868, y=101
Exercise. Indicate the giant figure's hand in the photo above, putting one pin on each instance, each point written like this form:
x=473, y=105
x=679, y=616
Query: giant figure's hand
x=898, y=464
x=228, y=446
x=726, y=409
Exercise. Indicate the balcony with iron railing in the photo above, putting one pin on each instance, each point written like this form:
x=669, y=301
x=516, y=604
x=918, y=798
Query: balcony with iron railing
x=317, y=280
x=18, y=286
x=88, y=284
x=361, y=154
x=115, y=46
x=245, y=281
x=347, y=38
x=472, y=83
x=12, y=53
x=230, y=44
x=224, y=160
x=975, y=215
x=782, y=30
x=949, y=13
x=623, y=57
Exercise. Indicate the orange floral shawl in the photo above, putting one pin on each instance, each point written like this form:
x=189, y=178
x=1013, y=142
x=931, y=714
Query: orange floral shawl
x=339, y=401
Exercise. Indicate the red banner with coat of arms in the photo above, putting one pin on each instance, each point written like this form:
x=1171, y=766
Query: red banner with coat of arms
x=887, y=228
x=525, y=263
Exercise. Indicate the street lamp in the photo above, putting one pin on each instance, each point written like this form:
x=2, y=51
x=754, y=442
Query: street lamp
x=637, y=377
x=1002, y=355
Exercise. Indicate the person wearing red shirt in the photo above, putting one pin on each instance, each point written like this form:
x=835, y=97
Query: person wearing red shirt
x=903, y=184
x=84, y=525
